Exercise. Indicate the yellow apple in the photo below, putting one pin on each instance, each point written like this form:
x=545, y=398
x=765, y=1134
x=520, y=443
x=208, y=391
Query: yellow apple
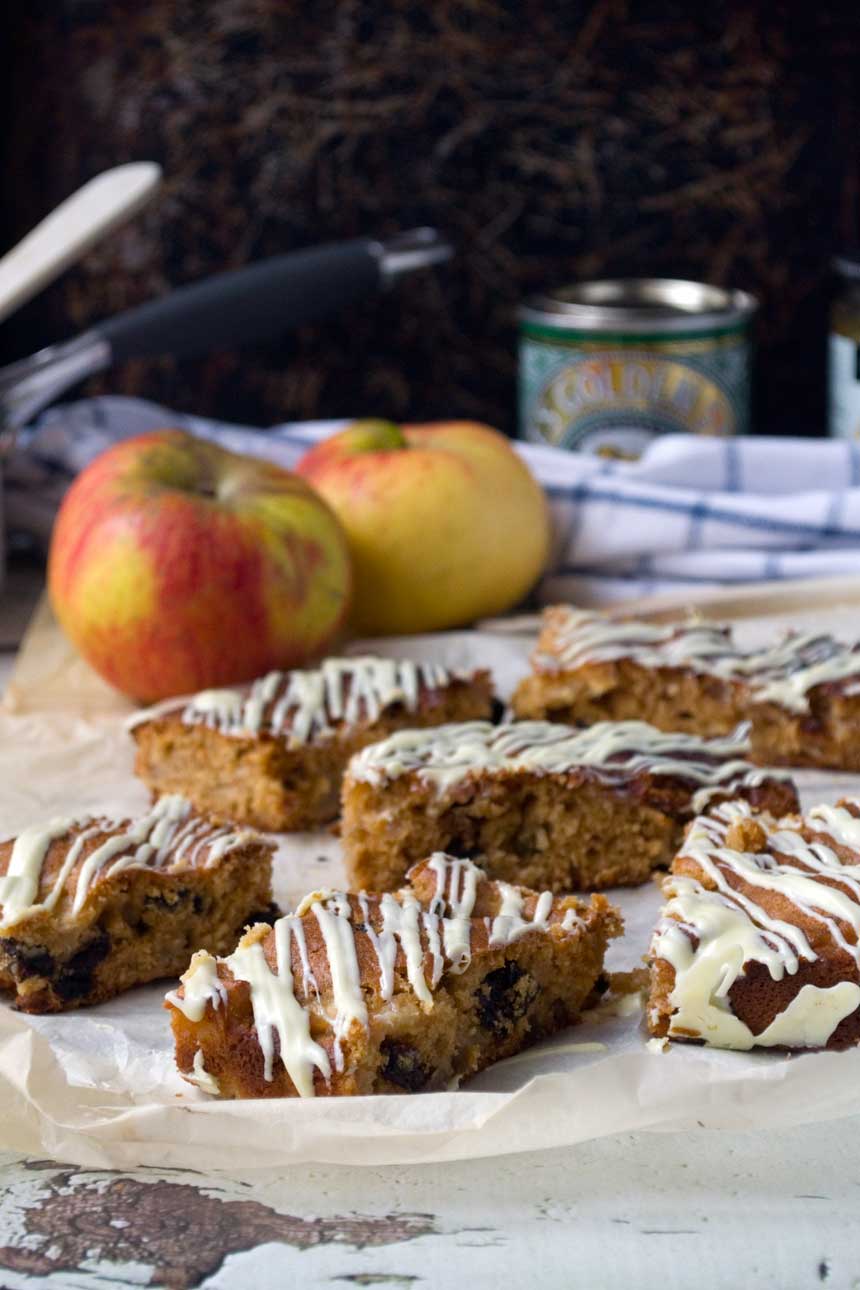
x=445, y=522
x=176, y=566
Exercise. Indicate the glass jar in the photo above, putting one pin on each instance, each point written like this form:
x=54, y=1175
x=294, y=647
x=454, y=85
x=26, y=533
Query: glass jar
x=843, y=402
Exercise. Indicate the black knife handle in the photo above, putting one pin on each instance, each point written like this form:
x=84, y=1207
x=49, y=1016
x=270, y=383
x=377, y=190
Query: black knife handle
x=248, y=305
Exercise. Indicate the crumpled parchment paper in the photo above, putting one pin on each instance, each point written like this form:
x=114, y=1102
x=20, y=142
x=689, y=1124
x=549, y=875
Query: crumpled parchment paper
x=98, y=1086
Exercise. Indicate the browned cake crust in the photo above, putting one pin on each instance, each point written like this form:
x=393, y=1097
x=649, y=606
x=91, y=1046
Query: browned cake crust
x=585, y=669
x=690, y=676
x=758, y=942
x=825, y=734
x=670, y=698
x=538, y=803
x=92, y=907
x=412, y=1011
x=278, y=777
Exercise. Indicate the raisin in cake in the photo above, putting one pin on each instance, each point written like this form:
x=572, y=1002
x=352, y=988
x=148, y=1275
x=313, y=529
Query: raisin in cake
x=759, y=941
x=540, y=803
x=273, y=755
x=92, y=906
x=802, y=695
x=389, y=993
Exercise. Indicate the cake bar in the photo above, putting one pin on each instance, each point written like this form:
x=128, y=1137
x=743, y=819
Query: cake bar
x=392, y=993
x=540, y=803
x=802, y=695
x=759, y=942
x=273, y=755
x=93, y=906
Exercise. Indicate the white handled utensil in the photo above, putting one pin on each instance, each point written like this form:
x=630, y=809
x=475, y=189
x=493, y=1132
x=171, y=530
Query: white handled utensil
x=70, y=230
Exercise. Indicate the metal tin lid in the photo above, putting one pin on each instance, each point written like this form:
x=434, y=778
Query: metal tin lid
x=848, y=265
x=640, y=305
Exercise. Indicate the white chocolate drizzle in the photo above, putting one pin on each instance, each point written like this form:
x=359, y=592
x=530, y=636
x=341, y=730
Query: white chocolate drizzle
x=456, y=888
x=277, y=1011
x=336, y=927
x=509, y=925
x=200, y=1076
x=616, y=751
x=432, y=939
x=783, y=674
x=20, y=884
x=712, y=929
x=303, y=706
x=167, y=837
x=201, y=985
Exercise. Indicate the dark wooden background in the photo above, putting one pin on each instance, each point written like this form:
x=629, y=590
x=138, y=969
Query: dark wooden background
x=550, y=140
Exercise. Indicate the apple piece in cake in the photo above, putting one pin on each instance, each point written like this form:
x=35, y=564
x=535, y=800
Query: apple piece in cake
x=389, y=993
x=90, y=907
x=801, y=695
x=273, y=755
x=540, y=803
x=759, y=941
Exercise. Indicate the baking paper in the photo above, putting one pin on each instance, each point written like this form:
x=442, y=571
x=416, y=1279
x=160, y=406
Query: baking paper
x=98, y=1086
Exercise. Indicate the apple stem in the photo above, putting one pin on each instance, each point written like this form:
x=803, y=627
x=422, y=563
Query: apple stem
x=375, y=435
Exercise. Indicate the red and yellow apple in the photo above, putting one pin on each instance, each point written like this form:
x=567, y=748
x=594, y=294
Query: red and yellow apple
x=445, y=522
x=177, y=566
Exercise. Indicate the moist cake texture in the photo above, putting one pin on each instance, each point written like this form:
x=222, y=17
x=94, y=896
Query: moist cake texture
x=801, y=695
x=759, y=941
x=272, y=755
x=540, y=803
x=90, y=907
x=389, y=993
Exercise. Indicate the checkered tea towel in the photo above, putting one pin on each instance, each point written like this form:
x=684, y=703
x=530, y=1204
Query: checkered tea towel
x=692, y=514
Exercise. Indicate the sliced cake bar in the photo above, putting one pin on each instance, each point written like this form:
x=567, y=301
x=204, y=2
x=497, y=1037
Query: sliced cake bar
x=90, y=907
x=801, y=695
x=273, y=755
x=539, y=803
x=759, y=941
x=389, y=993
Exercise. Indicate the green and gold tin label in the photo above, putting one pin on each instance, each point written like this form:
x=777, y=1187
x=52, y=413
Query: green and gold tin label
x=599, y=393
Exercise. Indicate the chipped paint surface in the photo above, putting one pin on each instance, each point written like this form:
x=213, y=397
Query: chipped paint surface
x=635, y=1210
x=78, y=1223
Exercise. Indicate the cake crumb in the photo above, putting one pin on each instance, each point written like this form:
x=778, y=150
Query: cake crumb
x=746, y=835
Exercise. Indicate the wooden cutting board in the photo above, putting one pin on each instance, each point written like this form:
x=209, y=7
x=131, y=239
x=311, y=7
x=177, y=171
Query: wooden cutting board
x=758, y=600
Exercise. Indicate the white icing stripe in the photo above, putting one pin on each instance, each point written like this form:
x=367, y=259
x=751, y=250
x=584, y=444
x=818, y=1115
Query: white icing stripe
x=811, y=1017
x=200, y=1076
x=442, y=933
x=430, y=924
x=386, y=950
x=615, y=750
x=456, y=886
x=162, y=839
x=712, y=928
x=309, y=981
x=339, y=940
x=306, y=705
x=509, y=924
x=842, y=826
x=402, y=920
x=20, y=884
x=783, y=674
x=200, y=986
x=277, y=1011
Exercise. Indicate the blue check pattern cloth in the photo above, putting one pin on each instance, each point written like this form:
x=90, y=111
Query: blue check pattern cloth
x=690, y=515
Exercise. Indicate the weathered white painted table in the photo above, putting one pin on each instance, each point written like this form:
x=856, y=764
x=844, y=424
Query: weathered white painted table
x=744, y=1211
x=734, y=1210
